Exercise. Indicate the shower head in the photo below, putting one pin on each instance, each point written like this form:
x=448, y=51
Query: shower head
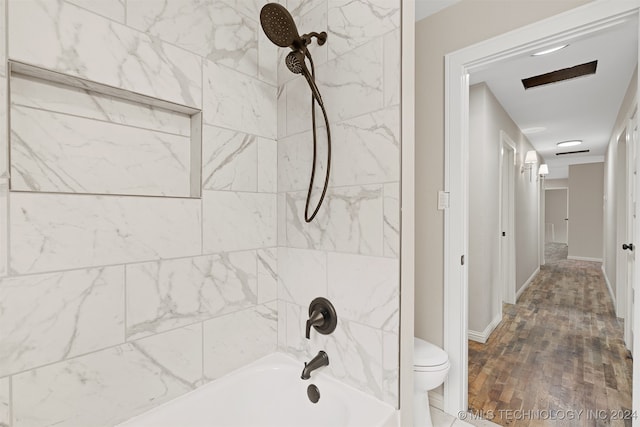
x=279, y=27
x=295, y=63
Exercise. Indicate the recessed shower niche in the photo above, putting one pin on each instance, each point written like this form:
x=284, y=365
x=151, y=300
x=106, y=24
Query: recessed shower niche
x=70, y=135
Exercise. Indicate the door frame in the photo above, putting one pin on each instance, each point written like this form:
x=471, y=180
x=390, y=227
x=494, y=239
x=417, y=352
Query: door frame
x=562, y=28
x=631, y=226
x=508, y=244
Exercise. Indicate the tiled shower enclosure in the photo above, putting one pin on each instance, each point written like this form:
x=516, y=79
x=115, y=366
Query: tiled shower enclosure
x=152, y=186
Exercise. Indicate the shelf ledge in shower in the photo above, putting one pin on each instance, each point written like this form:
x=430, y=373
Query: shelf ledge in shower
x=129, y=119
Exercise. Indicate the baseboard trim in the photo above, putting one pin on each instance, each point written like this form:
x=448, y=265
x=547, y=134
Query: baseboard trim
x=527, y=283
x=436, y=400
x=584, y=258
x=606, y=279
x=483, y=336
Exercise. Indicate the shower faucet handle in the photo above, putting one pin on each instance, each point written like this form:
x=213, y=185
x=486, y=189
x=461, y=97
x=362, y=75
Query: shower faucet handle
x=322, y=316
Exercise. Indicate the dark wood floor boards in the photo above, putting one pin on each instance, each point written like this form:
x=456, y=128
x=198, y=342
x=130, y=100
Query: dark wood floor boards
x=559, y=350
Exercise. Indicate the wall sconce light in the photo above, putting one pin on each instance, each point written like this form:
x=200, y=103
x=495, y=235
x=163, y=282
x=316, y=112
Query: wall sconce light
x=529, y=160
x=544, y=170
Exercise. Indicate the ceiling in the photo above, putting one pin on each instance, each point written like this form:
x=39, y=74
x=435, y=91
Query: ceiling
x=584, y=108
x=425, y=8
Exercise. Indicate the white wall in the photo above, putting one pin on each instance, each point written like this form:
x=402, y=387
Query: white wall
x=556, y=183
x=436, y=36
x=615, y=189
x=487, y=119
x=586, y=192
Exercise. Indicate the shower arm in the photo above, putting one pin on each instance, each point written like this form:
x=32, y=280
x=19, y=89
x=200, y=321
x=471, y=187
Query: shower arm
x=308, y=218
x=321, y=37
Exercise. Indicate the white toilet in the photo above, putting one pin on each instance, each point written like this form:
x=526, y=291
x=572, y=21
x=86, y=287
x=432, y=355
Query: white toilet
x=430, y=368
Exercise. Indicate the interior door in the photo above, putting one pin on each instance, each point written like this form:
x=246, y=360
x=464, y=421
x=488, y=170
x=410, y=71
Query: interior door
x=629, y=246
x=556, y=214
x=507, y=220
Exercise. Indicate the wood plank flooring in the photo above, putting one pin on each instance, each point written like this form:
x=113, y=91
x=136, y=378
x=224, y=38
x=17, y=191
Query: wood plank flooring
x=557, y=352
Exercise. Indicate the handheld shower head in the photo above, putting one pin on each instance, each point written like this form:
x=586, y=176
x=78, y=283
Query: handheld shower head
x=278, y=25
x=295, y=64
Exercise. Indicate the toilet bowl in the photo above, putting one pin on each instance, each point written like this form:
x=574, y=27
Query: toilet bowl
x=430, y=368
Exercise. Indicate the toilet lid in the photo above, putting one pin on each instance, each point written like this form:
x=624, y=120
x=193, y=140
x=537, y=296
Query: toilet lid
x=427, y=354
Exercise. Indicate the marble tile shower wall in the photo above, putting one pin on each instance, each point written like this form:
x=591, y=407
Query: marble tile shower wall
x=110, y=305
x=350, y=252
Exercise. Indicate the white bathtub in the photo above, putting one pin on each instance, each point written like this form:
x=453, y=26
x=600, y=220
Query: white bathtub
x=270, y=393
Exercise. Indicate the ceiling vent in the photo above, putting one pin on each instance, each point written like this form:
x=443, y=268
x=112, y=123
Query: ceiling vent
x=572, y=152
x=561, y=75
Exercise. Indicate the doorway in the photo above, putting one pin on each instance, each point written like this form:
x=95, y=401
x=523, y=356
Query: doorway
x=560, y=29
x=556, y=215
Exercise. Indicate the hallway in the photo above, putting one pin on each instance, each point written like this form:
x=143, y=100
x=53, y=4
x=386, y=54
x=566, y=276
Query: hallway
x=560, y=348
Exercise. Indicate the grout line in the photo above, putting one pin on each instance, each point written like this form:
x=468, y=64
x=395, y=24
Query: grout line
x=111, y=122
x=106, y=195
x=11, y=415
x=202, y=337
x=126, y=302
x=134, y=263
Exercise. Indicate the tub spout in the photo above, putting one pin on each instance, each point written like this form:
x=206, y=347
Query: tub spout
x=319, y=361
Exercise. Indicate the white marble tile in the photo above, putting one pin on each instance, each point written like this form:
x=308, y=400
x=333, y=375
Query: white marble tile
x=302, y=275
x=229, y=160
x=75, y=41
x=181, y=349
x=351, y=85
x=295, y=160
x=53, y=152
x=352, y=276
x=112, y=9
x=314, y=19
x=281, y=112
x=367, y=149
x=441, y=419
x=54, y=232
x=296, y=343
x=268, y=59
x=355, y=355
x=354, y=23
x=3, y=37
x=212, y=29
x=4, y=226
x=225, y=349
x=350, y=220
x=50, y=317
x=38, y=93
x=166, y=294
x=392, y=220
x=281, y=220
x=237, y=101
x=390, y=368
x=4, y=140
x=109, y=386
x=250, y=8
x=237, y=221
x=267, y=275
x=298, y=8
x=267, y=165
x=282, y=326
x=298, y=106
x=392, y=78
x=5, y=402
